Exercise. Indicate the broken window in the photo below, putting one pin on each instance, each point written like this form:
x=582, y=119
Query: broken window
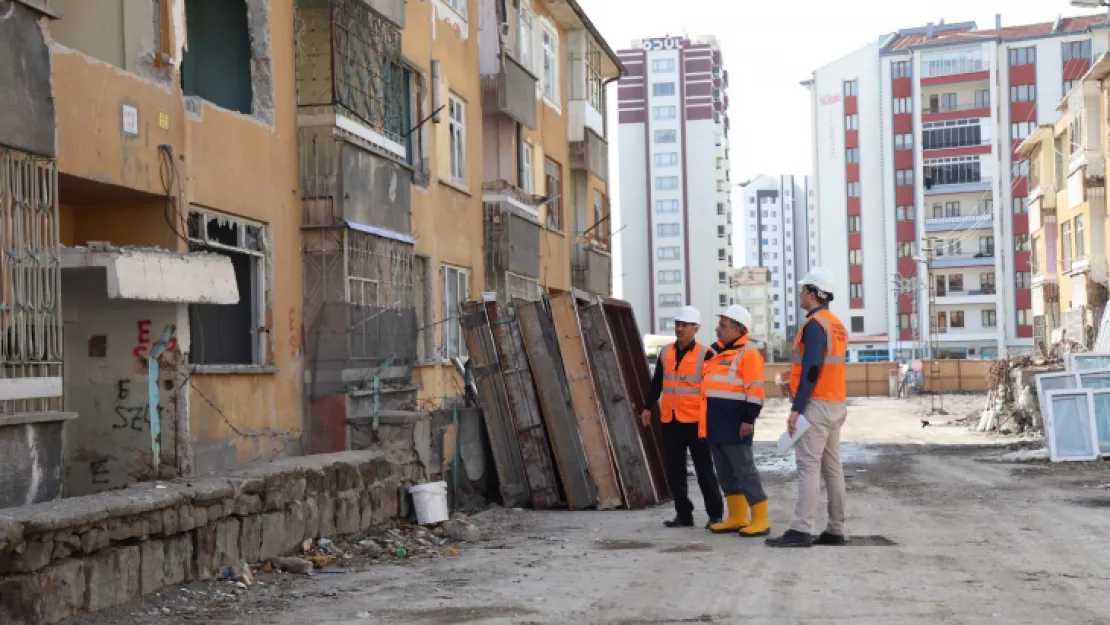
x=217, y=61
x=230, y=334
x=118, y=32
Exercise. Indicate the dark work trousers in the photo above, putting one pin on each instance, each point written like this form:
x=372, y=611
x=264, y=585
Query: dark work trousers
x=677, y=438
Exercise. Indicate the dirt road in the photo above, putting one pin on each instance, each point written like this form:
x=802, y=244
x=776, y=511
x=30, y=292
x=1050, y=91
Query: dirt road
x=943, y=535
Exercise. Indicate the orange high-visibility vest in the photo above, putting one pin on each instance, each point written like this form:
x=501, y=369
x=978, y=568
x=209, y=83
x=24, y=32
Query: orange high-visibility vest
x=681, y=397
x=831, y=384
x=735, y=374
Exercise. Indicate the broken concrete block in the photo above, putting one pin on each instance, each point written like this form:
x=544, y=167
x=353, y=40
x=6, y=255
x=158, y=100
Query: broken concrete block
x=347, y=513
x=36, y=554
x=461, y=531
x=152, y=566
x=227, y=542
x=204, y=551
x=273, y=535
x=366, y=511
x=327, y=516
x=63, y=587
x=178, y=559
x=311, y=519
x=113, y=577
x=294, y=526
x=20, y=600
x=94, y=539
x=250, y=539
x=248, y=505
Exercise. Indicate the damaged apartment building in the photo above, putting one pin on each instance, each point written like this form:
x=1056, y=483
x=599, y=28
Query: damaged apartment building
x=238, y=227
x=148, y=188
x=545, y=148
x=448, y=148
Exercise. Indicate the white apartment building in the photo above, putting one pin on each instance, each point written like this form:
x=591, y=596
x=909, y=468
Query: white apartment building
x=751, y=288
x=780, y=230
x=674, y=175
x=919, y=191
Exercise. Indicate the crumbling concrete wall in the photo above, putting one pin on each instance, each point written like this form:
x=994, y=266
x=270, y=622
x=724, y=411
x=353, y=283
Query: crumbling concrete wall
x=85, y=554
x=26, y=95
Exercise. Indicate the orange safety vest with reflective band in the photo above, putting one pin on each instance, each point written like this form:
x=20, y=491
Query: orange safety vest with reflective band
x=831, y=384
x=735, y=374
x=681, y=397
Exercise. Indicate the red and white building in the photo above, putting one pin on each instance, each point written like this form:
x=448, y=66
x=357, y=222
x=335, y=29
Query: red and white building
x=676, y=231
x=914, y=159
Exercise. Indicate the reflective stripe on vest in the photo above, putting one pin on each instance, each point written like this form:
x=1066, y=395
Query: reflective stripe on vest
x=731, y=385
x=681, y=399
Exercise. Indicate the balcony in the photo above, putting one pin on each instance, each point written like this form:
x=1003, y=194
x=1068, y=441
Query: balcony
x=512, y=233
x=948, y=335
x=962, y=260
x=510, y=90
x=983, y=185
x=977, y=296
x=592, y=268
x=960, y=222
x=591, y=155
x=349, y=72
x=933, y=112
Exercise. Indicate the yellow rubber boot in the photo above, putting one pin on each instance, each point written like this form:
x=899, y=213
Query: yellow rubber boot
x=737, y=515
x=760, y=525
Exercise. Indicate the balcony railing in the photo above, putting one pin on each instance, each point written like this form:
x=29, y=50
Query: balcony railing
x=511, y=91
x=927, y=109
x=591, y=155
x=960, y=222
x=963, y=260
x=349, y=56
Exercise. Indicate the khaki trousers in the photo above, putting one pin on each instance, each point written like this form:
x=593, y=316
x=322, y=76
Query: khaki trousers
x=818, y=456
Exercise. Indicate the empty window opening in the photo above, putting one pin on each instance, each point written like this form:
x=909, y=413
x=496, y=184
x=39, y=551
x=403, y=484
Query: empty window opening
x=229, y=334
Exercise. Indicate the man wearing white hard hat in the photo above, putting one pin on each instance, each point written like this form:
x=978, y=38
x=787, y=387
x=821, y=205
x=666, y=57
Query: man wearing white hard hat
x=676, y=387
x=733, y=392
x=818, y=386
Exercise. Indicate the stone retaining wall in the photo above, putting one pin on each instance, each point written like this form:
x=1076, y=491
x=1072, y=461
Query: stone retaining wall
x=89, y=553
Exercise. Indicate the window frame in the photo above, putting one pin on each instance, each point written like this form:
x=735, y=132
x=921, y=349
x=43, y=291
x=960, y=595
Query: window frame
x=657, y=92
x=450, y=313
x=456, y=128
x=549, y=63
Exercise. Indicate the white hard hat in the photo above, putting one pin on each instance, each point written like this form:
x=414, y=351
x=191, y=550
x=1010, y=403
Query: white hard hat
x=821, y=278
x=688, y=314
x=740, y=315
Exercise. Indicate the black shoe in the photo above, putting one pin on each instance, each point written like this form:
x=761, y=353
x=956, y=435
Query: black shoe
x=713, y=520
x=791, y=538
x=679, y=522
x=830, y=539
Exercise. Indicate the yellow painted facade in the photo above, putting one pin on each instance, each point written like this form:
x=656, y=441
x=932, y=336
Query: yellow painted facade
x=447, y=217
x=240, y=165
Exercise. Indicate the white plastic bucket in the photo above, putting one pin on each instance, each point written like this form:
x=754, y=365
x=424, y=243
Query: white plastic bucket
x=430, y=501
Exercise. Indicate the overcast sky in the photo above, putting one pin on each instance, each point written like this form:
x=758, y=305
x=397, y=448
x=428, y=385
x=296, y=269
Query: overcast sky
x=770, y=46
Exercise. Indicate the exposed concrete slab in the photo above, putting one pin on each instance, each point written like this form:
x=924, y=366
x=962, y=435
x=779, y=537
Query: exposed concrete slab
x=155, y=275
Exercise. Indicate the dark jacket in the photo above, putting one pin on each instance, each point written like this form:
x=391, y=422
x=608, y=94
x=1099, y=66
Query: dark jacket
x=724, y=416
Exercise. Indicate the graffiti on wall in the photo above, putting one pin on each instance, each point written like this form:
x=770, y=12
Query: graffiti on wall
x=142, y=349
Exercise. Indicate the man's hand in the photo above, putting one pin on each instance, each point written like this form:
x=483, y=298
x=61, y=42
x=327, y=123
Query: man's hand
x=746, y=430
x=645, y=418
x=792, y=422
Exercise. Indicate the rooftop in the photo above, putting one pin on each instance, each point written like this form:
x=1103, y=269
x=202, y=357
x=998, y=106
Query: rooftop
x=966, y=32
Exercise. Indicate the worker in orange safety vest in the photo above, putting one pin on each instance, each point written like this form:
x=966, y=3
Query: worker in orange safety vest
x=733, y=392
x=819, y=388
x=676, y=387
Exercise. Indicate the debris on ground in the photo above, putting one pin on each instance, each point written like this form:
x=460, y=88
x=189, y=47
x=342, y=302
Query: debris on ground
x=1026, y=455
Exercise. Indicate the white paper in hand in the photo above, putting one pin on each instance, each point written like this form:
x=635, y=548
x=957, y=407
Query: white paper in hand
x=786, y=441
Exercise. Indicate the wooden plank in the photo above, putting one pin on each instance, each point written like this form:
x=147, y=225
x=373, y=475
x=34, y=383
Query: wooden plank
x=538, y=467
x=545, y=359
x=495, y=406
x=620, y=419
x=637, y=381
x=542, y=346
x=564, y=311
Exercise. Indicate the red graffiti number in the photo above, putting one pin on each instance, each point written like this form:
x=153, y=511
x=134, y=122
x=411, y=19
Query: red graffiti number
x=143, y=348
